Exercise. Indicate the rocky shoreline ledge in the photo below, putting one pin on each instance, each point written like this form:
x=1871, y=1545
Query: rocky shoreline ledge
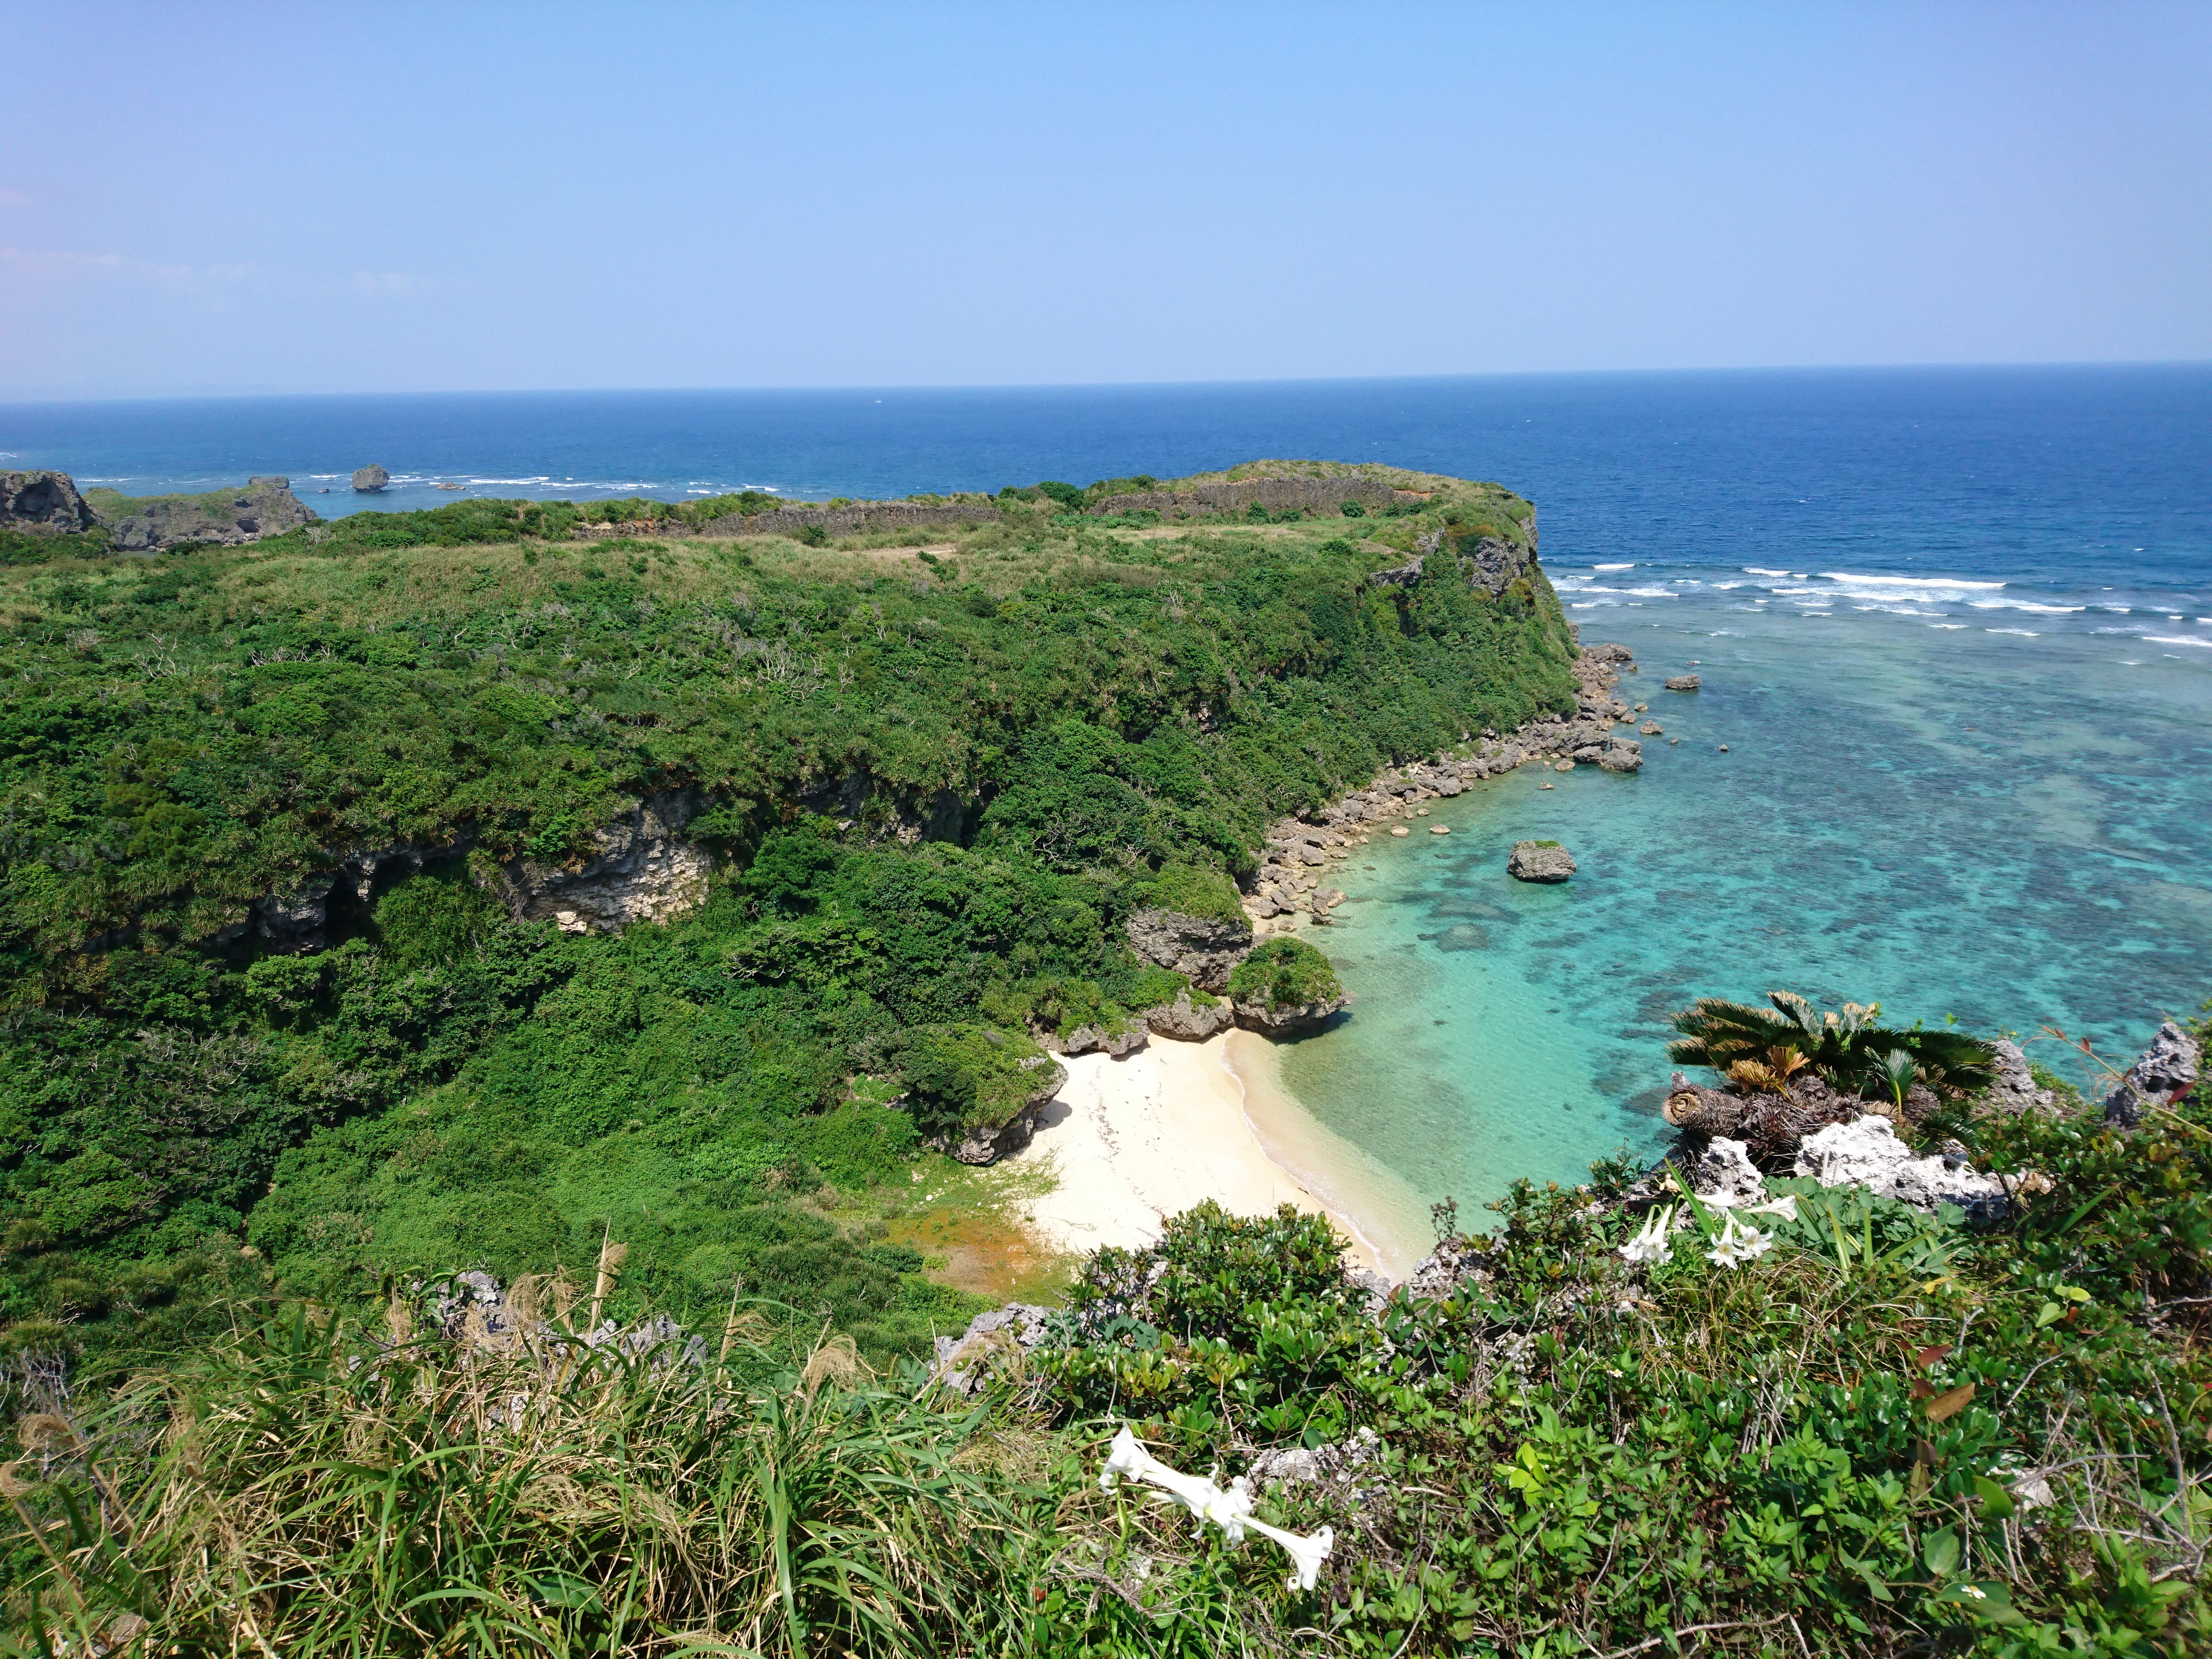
x=1289, y=886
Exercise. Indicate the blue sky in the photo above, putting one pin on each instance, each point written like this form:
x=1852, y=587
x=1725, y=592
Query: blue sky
x=328, y=198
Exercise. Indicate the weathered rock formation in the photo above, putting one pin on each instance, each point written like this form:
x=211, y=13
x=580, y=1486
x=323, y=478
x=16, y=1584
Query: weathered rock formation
x=370, y=479
x=1867, y=1152
x=43, y=500
x=1684, y=683
x=1540, y=861
x=1293, y=1020
x=1200, y=949
x=1097, y=1039
x=987, y=1145
x=1185, y=1021
x=229, y=518
x=1770, y=1125
x=2015, y=1090
x=642, y=869
x=2167, y=1070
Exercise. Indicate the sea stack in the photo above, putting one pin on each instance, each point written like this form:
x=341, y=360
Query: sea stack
x=1683, y=683
x=370, y=479
x=1540, y=861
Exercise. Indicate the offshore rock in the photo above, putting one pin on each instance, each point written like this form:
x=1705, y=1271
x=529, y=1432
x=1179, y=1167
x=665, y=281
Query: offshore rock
x=1621, y=758
x=1684, y=683
x=1200, y=949
x=640, y=869
x=1867, y=1153
x=2166, y=1071
x=1540, y=861
x=43, y=500
x=370, y=479
x=1186, y=1022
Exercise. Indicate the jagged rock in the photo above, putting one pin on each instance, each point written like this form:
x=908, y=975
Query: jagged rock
x=43, y=500
x=1540, y=861
x=1403, y=575
x=369, y=479
x=2168, y=1069
x=986, y=1143
x=1623, y=760
x=1015, y=1328
x=1684, y=683
x=1867, y=1153
x=1609, y=655
x=1091, y=1039
x=1723, y=1174
x=1290, y=1022
x=2015, y=1090
x=642, y=870
x=1652, y=729
x=1186, y=1022
x=1199, y=948
x=228, y=518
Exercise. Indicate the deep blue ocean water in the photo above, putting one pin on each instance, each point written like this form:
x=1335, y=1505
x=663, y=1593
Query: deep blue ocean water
x=1955, y=627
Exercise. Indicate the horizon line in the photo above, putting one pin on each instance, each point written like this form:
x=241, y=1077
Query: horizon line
x=13, y=399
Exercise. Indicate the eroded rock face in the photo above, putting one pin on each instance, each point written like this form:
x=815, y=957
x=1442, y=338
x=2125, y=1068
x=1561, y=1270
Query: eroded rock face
x=642, y=870
x=1186, y=1022
x=1723, y=1174
x=265, y=507
x=1537, y=861
x=987, y=1145
x=1097, y=1039
x=369, y=479
x=1867, y=1153
x=963, y=1361
x=1200, y=949
x=1684, y=683
x=2167, y=1067
x=2014, y=1090
x=43, y=500
x=1291, y=1021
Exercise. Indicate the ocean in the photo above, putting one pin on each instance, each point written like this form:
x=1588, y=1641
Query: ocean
x=1953, y=626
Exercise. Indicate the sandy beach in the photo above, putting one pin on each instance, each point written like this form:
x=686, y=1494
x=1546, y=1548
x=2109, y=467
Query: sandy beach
x=1132, y=1141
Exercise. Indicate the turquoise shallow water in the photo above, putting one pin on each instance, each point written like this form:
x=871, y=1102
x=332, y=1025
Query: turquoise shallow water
x=2010, y=828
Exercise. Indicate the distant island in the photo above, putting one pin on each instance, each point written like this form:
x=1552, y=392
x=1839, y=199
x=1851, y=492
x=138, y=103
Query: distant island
x=532, y=1025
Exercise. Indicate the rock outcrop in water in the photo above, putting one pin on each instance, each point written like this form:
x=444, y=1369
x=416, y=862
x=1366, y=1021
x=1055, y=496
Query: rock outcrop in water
x=1540, y=861
x=370, y=479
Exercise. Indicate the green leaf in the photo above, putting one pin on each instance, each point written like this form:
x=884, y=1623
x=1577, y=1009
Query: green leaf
x=1996, y=1501
x=1988, y=1599
x=2047, y=1314
x=1940, y=1553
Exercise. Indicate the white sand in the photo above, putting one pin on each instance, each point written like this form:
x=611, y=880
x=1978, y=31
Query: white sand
x=1132, y=1141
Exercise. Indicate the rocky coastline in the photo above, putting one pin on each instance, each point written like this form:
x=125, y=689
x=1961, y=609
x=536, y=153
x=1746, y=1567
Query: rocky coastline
x=1289, y=889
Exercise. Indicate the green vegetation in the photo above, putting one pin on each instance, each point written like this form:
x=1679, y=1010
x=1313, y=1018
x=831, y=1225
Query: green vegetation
x=1763, y=1046
x=1194, y=890
x=1880, y=1433
x=932, y=799
x=1284, y=973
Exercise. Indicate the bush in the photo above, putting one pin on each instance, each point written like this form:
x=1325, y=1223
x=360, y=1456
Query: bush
x=1285, y=973
x=967, y=1076
x=1193, y=890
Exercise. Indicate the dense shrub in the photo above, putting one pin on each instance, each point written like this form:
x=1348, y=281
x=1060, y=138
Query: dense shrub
x=1285, y=973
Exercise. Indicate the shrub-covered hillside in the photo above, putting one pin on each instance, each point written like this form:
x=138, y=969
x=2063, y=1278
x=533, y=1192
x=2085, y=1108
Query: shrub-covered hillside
x=932, y=778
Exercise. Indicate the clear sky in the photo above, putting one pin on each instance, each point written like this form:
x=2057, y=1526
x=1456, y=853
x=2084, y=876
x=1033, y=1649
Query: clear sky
x=221, y=198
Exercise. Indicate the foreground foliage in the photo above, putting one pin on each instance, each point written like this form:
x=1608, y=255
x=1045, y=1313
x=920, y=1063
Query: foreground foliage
x=1885, y=1434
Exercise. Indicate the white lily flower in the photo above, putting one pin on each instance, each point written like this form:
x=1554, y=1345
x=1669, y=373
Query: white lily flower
x=1651, y=1244
x=1783, y=1208
x=1738, y=1245
x=1306, y=1554
x=1231, y=1511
